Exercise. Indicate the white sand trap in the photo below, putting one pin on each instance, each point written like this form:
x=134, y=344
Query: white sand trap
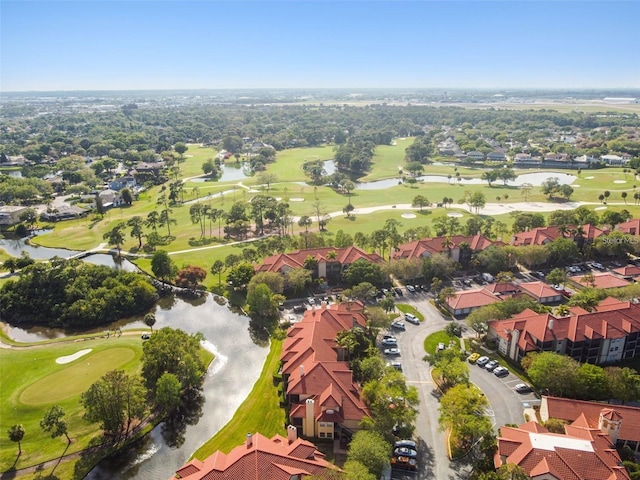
x=455, y=215
x=619, y=181
x=576, y=186
x=589, y=178
x=278, y=199
x=600, y=208
x=71, y=358
x=408, y=215
x=296, y=199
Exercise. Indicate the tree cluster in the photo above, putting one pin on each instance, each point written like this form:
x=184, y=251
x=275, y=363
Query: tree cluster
x=67, y=293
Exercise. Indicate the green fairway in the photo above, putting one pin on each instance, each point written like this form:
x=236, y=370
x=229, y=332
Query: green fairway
x=32, y=382
x=71, y=380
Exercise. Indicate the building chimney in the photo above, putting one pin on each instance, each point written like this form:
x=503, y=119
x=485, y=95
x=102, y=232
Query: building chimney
x=249, y=440
x=309, y=428
x=551, y=324
x=301, y=371
x=292, y=434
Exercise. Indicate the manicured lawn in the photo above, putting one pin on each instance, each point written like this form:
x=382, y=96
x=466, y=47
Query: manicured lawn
x=387, y=160
x=431, y=342
x=404, y=308
x=260, y=412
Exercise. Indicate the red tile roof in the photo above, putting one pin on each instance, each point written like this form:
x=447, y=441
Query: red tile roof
x=581, y=454
x=611, y=319
x=310, y=360
x=273, y=458
x=601, y=280
x=472, y=299
x=569, y=410
x=430, y=246
x=543, y=235
x=631, y=227
x=628, y=271
x=539, y=290
x=296, y=259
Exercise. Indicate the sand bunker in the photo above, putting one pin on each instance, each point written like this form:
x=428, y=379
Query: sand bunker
x=589, y=178
x=71, y=358
x=455, y=215
x=600, y=208
x=619, y=181
x=408, y=215
x=296, y=199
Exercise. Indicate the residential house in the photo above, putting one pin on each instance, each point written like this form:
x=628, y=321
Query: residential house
x=582, y=453
x=475, y=156
x=119, y=183
x=609, y=333
x=615, y=160
x=496, y=156
x=466, y=301
x=63, y=212
x=541, y=292
x=324, y=401
x=275, y=458
x=620, y=421
x=526, y=159
x=10, y=214
x=452, y=246
x=601, y=281
x=330, y=261
x=110, y=198
x=585, y=160
x=557, y=159
x=145, y=167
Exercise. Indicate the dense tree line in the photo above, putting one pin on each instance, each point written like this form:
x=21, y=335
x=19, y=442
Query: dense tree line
x=71, y=293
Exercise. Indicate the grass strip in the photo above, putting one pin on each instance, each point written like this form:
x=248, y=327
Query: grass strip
x=404, y=308
x=260, y=412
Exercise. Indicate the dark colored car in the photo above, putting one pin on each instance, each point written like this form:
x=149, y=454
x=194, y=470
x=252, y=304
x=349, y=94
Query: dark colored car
x=398, y=291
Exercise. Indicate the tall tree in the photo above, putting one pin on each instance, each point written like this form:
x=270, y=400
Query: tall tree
x=16, y=434
x=115, y=236
x=115, y=401
x=150, y=320
x=217, y=268
x=54, y=423
x=162, y=266
x=136, y=224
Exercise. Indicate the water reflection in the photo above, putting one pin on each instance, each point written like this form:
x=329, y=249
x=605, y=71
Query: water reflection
x=230, y=172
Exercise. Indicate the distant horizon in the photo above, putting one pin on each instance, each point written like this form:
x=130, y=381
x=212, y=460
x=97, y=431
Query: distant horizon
x=152, y=45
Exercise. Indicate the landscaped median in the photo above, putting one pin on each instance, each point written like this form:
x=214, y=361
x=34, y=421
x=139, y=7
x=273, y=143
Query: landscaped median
x=404, y=308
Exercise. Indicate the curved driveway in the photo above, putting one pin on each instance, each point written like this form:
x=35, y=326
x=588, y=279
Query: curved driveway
x=434, y=462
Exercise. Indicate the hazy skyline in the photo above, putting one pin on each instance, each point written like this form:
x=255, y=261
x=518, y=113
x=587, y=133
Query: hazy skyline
x=144, y=45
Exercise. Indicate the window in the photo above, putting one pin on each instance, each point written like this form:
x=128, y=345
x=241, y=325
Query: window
x=329, y=435
x=322, y=435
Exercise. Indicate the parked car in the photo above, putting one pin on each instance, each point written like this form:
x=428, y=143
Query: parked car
x=522, y=388
x=539, y=274
x=398, y=325
x=311, y=301
x=299, y=308
x=489, y=367
x=404, y=463
x=145, y=336
x=392, y=351
x=396, y=365
x=482, y=361
x=467, y=282
x=411, y=319
x=500, y=372
x=411, y=289
x=398, y=291
x=473, y=358
x=441, y=346
x=405, y=452
x=405, y=443
x=387, y=335
x=389, y=342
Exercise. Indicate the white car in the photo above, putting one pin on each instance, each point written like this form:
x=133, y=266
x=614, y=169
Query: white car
x=522, y=388
x=389, y=342
x=482, y=361
x=500, y=372
x=392, y=351
x=411, y=288
x=411, y=319
x=398, y=325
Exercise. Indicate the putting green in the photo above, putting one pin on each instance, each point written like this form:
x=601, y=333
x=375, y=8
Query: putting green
x=76, y=378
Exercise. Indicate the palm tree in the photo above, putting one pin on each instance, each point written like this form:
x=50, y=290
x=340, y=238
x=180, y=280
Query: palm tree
x=448, y=245
x=348, y=187
x=115, y=236
x=624, y=197
x=150, y=320
x=136, y=224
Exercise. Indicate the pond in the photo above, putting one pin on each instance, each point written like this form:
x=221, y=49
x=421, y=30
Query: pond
x=230, y=172
x=329, y=167
x=229, y=380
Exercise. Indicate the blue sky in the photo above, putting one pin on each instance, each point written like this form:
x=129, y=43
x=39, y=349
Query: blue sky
x=117, y=45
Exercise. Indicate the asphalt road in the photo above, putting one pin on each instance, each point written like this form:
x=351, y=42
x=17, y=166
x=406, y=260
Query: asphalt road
x=506, y=404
